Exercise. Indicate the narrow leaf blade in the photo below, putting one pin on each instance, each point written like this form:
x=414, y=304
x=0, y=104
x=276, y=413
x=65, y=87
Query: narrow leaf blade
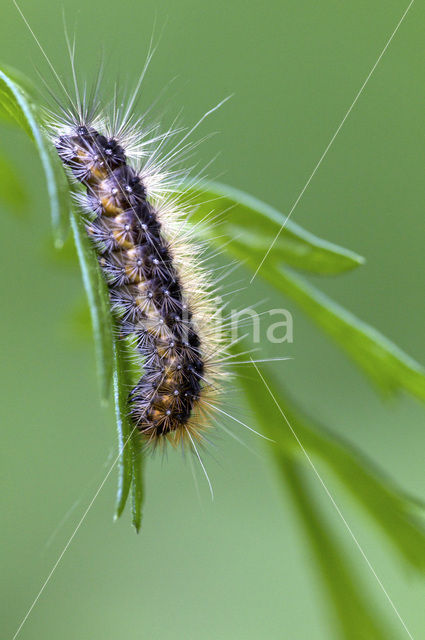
x=382, y=360
x=17, y=107
x=137, y=481
x=126, y=373
x=252, y=226
x=125, y=463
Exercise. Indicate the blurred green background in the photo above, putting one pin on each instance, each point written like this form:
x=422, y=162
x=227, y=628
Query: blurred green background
x=237, y=567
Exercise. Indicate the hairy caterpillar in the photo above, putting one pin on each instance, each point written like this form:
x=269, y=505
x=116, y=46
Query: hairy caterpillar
x=157, y=290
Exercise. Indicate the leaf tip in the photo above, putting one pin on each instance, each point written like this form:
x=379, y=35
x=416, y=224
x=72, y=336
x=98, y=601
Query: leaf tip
x=137, y=521
x=119, y=508
x=120, y=503
x=359, y=259
x=137, y=524
x=353, y=260
x=118, y=512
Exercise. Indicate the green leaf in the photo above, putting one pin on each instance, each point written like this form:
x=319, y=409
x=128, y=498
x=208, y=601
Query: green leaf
x=382, y=360
x=10, y=110
x=354, y=616
x=12, y=191
x=130, y=471
x=98, y=299
x=137, y=481
x=125, y=463
x=251, y=226
x=16, y=106
x=389, y=507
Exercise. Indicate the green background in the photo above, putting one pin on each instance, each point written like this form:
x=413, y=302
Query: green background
x=237, y=567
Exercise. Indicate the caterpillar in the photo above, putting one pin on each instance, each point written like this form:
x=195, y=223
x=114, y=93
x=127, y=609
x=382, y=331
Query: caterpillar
x=158, y=293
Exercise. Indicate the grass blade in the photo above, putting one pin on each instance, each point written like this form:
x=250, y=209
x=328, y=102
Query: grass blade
x=126, y=374
x=17, y=107
x=137, y=481
x=251, y=226
x=382, y=360
x=125, y=466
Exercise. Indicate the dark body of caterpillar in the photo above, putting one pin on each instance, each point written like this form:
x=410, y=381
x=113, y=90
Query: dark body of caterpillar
x=145, y=289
